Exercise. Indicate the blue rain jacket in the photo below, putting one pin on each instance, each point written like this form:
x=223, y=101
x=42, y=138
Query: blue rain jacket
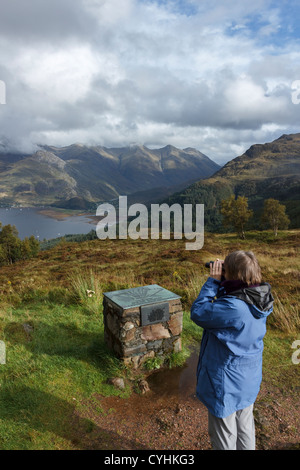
x=229, y=371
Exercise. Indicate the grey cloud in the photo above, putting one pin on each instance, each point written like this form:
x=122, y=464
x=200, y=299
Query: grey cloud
x=153, y=79
x=162, y=98
x=44, y=20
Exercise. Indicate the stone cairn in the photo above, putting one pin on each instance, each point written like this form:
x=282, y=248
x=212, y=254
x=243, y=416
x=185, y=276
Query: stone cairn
x=134, y=342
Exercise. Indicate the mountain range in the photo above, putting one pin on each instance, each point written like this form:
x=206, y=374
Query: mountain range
x=270, y=170
x=80, y=177
x=77, y=176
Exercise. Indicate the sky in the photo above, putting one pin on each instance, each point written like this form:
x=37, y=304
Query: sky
x=216, y=75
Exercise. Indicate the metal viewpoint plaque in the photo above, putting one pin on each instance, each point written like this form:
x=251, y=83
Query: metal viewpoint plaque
x=156, y=313
x=137, y=296
x=152, y=300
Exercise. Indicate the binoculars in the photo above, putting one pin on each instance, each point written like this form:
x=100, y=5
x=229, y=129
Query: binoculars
x=207, y=265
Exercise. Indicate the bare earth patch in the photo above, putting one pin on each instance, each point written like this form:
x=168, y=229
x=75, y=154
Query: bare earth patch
x=179, y=421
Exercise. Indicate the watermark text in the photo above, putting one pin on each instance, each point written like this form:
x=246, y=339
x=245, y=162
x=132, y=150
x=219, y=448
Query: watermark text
x=296, y=354
x=187, y=221
x=296, y=92
x=2, y=353
x=2, y=92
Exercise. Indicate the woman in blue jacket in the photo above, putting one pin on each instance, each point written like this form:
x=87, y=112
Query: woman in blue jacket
x=232, y=309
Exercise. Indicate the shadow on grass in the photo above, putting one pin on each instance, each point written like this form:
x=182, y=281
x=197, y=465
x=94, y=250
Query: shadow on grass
x=36, y=411
x=64, y=340
x=45, y=413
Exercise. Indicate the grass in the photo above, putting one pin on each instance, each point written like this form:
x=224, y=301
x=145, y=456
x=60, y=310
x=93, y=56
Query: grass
x=279, y=369
x=57, y=360
x=50, y=370
x=87, y=291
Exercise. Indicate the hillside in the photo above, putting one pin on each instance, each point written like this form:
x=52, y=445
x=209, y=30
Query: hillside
x=263, y=171
x=56, y=391
x=79, y=175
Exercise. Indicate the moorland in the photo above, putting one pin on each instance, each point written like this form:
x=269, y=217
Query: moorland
x=55, y=386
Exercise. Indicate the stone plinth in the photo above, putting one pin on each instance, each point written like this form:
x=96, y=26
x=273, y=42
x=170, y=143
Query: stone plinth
x=142, y=323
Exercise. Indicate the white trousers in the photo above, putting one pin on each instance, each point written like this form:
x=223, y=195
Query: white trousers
x=235, y=432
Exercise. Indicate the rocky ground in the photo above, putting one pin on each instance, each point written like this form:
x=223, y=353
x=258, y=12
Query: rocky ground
x=170, y=417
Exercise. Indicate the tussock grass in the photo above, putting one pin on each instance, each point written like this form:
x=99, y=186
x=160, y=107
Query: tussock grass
x=87, y=290
x=285, y=316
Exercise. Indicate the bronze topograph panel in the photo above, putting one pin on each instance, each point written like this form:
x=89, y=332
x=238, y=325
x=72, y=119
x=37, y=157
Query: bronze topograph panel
x=155, y=313
x=140, y=296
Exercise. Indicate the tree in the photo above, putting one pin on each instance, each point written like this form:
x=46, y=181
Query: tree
x=236, y=213
x=274, y=215
x=10, y=243
x=34, y=246
x=25, y=249
x=13, y=249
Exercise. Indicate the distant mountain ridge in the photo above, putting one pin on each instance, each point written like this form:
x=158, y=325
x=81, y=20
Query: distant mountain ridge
x=270, y=170
x=78, y=175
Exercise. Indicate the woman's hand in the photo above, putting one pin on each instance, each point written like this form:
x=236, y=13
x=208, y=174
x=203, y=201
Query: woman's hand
x=216, y=269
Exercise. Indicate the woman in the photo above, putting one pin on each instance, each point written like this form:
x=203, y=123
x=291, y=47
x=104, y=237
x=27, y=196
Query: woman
x=232, y=309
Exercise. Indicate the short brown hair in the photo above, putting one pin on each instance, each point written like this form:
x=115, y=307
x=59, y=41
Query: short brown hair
x=244, y=266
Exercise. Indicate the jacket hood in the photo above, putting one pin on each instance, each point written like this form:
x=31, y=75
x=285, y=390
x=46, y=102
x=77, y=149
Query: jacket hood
x=259, y=297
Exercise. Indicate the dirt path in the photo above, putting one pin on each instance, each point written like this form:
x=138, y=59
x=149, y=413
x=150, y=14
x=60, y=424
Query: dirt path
x=170, y=417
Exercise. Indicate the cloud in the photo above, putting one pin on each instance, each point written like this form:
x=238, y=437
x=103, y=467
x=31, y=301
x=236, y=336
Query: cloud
x=209, y=74
x=36, y=21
